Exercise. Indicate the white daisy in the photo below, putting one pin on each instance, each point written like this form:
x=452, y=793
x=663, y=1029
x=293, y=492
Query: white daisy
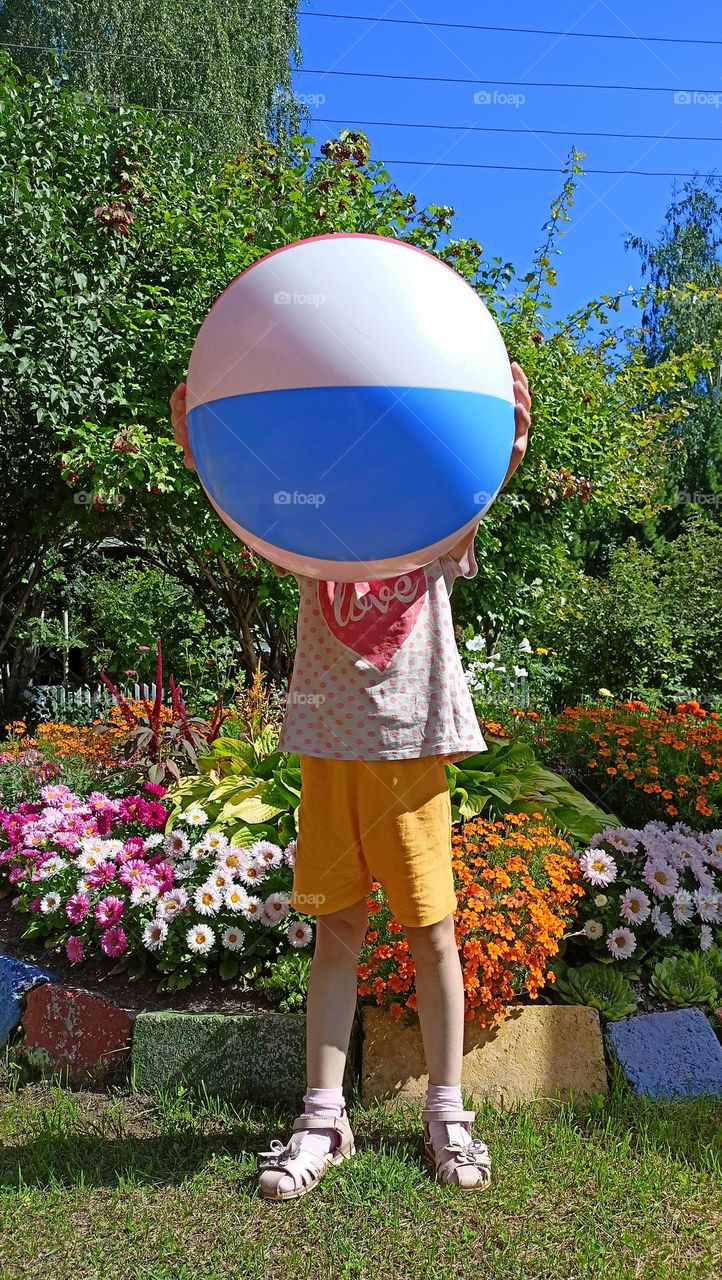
x=635, y=906
x=50, y=867
x=276, y=907
x=144, y=893
x=113, y=847
x=198, y=852
x=170, y=903
x=177, y=844
x=152, y=842
x=662, y=921
x=682, y=906
x=207, y=900
x=230, y=859
x=621, y=942
x=661, y=878
x=200, y=938
x=194, y=816
x=154, y=934
x=235, y=897
x=252, y=908
x=233, y=938
x=82, y=885
x=214, y=842
x=182, y=870
x=266, y=854
x=623, y=840
x=94, y=845
x=220, y=878
x=254, y=873
x=705, y=938
x=50, y=903
x=709, y=905
x=299, y=933
x=593, y=929
x=598, y=867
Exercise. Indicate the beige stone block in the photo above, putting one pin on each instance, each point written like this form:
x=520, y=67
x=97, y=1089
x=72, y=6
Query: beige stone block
x=539, y=1051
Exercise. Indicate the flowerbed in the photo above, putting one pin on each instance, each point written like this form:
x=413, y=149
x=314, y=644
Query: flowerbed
x=657, y=888
x=104, y=876
x=518, y=886
x=644, y=764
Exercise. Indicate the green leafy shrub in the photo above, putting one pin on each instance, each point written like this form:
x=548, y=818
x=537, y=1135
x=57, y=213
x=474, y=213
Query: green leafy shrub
x=599, y=986
x=286, y=982
x=508, y=779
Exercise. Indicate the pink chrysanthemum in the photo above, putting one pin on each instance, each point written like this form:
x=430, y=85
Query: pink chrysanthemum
x=114, y=941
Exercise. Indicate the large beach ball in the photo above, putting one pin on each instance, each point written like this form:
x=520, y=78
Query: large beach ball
x=350, y=407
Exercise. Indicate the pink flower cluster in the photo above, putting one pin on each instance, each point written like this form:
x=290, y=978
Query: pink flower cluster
x=85, y=845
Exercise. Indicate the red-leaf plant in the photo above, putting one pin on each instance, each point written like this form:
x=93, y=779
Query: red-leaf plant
x=167, y=732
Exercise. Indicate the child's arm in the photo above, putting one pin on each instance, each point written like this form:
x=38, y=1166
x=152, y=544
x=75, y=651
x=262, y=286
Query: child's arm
x=180, y=431
x=522, y=423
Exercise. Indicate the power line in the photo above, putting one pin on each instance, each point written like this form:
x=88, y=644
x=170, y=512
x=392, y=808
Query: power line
x=570, y=133
x=520, y=84
x=527, y=31
x=532, y=168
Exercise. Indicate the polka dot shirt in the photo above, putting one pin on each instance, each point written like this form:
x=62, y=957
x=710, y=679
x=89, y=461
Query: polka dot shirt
x=377, y=674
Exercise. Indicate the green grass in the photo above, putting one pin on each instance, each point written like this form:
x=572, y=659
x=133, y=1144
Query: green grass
x=97, y=1186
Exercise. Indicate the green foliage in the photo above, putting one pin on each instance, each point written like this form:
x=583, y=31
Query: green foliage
x=223, y=69
x=685, y=979
x=247, y=794
x=598, y=986
x=508, y=779
x=655, y=622
x=286, y=982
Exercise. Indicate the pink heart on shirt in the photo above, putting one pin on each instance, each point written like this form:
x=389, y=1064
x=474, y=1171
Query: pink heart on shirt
x=373, y=619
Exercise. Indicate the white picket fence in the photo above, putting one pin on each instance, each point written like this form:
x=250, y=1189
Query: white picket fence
x=95, y=699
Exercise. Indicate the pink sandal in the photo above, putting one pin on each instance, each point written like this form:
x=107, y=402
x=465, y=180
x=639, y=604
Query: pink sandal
x=465, y=1165
x=305, y=1168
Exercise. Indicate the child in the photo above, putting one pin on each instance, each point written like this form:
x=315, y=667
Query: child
x=377, y=702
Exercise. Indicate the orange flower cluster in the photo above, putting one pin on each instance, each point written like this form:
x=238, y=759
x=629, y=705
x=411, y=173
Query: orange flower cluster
x=517, y=887
x=98, y=744
x=645, y=763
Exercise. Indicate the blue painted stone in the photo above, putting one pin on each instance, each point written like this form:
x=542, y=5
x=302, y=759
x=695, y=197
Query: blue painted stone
x=668, y=1055
x=16, y=978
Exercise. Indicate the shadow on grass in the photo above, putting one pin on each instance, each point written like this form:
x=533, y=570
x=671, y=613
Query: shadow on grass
x=53, y=1136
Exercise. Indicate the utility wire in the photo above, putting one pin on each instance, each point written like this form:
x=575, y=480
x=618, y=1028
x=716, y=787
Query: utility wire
x=527, y=31
x=520, y=84
x=532, y=168
x=571, y=133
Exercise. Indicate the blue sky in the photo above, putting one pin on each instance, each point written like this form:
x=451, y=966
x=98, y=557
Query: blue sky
x=506, y=211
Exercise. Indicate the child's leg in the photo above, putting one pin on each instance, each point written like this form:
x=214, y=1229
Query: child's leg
x=440, y=996
x=332, y=994
x=329, y=1017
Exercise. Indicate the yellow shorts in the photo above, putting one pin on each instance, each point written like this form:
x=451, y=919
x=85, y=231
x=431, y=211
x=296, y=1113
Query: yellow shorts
x=364, y=820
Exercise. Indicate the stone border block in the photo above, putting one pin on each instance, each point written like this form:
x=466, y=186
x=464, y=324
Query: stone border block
x=17, y=977
x=675, y=1054
x=76, y=1032
x=539, y=1051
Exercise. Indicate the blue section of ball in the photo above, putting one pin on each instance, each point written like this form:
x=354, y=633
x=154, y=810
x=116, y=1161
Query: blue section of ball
x=369, y=473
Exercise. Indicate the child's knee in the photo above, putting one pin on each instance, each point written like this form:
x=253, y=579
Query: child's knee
x=432, y=942
x=342, y=931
